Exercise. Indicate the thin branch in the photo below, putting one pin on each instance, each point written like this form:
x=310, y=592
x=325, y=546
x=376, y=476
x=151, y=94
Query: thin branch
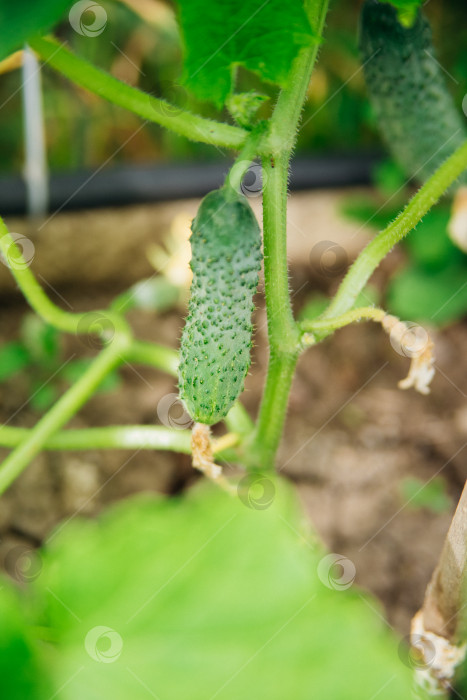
x=383, y=243
x=184, y=123
x=117, y=437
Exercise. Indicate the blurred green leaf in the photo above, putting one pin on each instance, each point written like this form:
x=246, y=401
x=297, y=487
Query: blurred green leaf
x=429, y=244
x=314, y=307
x=419, y=494
x=41, y=340
x=13, y=358
x=209, y=596
x=436, y=297
x=264, y=37
x=22, y=19
x=367, y=211
x=43, y=395
x=389, y=177
x=21, y=676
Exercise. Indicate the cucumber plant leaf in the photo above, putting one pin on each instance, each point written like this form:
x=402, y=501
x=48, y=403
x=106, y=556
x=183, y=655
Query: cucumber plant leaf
x=21, y=673
x=432, y=496
x=22, y=19
x=262, y=36
x=206, y=596
x=437, y=297
x=14, y=357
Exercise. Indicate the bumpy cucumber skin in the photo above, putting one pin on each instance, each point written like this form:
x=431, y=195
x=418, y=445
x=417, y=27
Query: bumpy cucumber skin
x=416, y=114
x=216, y=339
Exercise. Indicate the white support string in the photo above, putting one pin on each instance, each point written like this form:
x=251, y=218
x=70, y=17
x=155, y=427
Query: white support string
x=35, y=158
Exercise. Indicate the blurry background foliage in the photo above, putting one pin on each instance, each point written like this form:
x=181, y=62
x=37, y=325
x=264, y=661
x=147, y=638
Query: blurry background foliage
x=141, y=45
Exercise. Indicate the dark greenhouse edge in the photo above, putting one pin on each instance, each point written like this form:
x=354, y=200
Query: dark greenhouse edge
x=138, y=184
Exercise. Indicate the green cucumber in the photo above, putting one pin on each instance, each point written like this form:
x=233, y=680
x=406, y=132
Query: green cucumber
x=216, y=339
x=416, y=114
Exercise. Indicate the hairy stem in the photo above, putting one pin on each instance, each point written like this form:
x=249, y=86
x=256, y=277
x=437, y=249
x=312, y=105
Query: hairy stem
x=271, y=419
x=83, y=73
x=284, y=122
x=368, y=313
x=382, y=244
x=283, y=332
x=282, y=329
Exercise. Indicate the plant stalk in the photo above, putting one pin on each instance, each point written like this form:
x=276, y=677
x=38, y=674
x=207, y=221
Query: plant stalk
x=283, y=332
x=119, y=437
x=382, y=244
x=368, y=313
x=83, y=73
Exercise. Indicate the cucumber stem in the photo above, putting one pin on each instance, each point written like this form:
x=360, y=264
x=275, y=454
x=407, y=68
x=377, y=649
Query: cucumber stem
x=368, y=313
x=119, y=437
x=83, y=73
x=383, y=243
x=283, y=331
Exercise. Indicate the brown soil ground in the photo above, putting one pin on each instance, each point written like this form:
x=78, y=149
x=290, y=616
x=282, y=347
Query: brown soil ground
x=351, y=436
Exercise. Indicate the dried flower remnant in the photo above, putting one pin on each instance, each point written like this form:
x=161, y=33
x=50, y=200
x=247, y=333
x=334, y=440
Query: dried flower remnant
x=421, y=370
x=201, y=449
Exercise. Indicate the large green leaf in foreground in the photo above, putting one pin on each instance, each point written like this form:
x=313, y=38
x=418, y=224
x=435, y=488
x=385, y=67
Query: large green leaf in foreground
x=203, y=597
x=262, y=36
